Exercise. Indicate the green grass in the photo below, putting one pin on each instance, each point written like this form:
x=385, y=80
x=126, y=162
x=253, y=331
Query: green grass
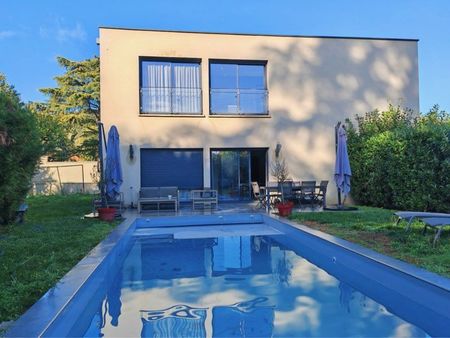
x=375, y=228
x=36, y=254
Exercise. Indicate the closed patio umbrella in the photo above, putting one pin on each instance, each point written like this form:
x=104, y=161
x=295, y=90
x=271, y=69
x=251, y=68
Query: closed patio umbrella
x=113, y=169
x=342, y=170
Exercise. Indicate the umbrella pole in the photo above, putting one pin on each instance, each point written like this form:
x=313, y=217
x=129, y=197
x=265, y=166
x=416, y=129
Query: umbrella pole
x=339, y=198
x=336, y=128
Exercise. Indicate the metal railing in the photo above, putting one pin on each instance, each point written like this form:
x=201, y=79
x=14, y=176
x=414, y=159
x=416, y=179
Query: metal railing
x=165, y=100
x=247, y=101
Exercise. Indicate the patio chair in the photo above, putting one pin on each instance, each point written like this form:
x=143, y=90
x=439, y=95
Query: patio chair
x=321, y=196
x=438, y=223
x=259, y=194
x=308, y=192
x=206, y=198
x=286, y=188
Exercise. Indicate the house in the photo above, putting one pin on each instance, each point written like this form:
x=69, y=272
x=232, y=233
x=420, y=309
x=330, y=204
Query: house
x=208, y=109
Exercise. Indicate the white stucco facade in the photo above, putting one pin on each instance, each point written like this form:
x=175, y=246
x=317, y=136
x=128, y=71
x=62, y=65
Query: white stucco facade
x=313, y=83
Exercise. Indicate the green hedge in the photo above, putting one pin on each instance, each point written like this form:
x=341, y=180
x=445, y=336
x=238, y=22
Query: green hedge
x=400, y=161
x=20, y=150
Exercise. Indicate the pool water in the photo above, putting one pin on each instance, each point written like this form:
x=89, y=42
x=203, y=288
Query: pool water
x=232, y=286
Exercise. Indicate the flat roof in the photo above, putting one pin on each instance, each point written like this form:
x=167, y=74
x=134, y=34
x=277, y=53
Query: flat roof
x=259, y=34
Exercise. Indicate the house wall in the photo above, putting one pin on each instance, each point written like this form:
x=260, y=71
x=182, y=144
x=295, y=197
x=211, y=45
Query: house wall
x=313, y=83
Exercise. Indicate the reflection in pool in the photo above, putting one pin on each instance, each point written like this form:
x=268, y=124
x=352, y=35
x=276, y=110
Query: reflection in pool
x=250, y=286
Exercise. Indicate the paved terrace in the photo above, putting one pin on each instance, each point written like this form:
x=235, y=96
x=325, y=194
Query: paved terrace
x=222, y=208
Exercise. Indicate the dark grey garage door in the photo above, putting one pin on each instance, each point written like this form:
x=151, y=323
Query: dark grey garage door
x=182, y=168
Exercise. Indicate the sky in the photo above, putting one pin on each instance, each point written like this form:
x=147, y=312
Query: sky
x=33, y=33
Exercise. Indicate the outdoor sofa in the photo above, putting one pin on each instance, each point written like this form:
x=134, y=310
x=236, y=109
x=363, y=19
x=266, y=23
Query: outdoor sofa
x=158, y=196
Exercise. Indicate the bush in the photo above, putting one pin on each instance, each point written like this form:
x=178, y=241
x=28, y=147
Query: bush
x=20, y=150
x=400, y=161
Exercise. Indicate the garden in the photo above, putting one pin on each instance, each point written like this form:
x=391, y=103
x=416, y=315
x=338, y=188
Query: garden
x=36, y=254
x=400, y=161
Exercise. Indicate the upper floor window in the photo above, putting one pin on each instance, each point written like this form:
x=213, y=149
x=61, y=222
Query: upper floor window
x=238, y=88
x=170, y=87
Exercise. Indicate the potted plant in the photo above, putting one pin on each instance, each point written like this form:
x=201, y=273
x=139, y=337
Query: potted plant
x=280, y=171
x=105, y=212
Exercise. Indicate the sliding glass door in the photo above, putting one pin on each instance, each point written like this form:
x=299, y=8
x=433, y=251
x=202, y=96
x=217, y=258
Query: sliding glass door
x=232, y=172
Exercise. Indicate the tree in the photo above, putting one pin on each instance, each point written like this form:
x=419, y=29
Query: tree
x=75, y=104
x=54, y=138
x=279, y=169
x=20, y=150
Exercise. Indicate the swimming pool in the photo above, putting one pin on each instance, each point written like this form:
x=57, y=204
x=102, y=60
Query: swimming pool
x=234, y=276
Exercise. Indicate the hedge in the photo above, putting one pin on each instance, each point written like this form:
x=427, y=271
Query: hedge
x=20, y=150
x=401, y=161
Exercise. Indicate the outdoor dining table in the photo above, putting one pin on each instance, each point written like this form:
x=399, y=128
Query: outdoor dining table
x=300, y=188
x=273, y=193
x=312, y=190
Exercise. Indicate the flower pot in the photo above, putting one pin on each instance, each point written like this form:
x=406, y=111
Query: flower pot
x=285, y=209
x=106, y=214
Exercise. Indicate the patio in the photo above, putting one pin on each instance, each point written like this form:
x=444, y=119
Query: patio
x=185, y=209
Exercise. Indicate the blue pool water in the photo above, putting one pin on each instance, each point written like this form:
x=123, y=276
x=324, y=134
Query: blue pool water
x=237, y=275
x=231, y=286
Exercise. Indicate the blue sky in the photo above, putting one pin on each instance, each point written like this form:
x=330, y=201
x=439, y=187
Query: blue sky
x=33, y=33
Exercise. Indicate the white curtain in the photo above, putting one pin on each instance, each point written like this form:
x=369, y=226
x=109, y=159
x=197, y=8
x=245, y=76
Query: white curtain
x=186, y=92
x=171, y=88
x=156, y=91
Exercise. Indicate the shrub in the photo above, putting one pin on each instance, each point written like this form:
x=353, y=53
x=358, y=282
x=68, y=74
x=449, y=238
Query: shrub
x=20, y=150
x=401, y=161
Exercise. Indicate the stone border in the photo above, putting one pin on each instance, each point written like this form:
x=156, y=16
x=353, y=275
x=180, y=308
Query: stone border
x=36, y=320
x=406, y=268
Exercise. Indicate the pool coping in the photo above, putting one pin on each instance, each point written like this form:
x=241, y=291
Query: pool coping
x=40, y=316
x=391, y=262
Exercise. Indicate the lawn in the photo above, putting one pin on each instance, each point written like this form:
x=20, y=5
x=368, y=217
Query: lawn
x=374, y=228
x=36, y=254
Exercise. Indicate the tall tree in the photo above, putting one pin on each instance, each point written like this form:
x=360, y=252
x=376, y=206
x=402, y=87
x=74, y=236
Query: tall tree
x=74, y=103
x=55, y=140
